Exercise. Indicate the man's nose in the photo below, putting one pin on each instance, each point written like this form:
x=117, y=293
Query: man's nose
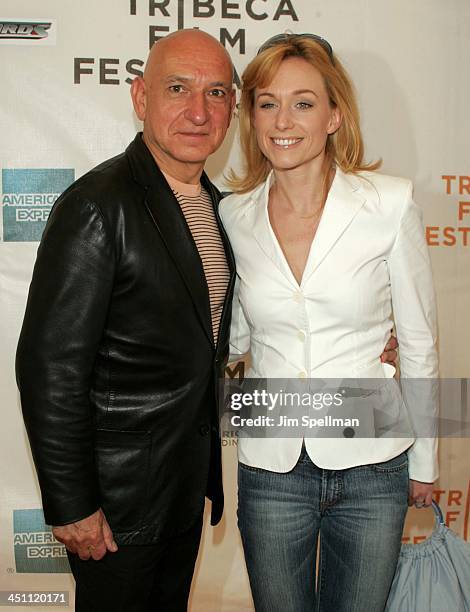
x=197, y=111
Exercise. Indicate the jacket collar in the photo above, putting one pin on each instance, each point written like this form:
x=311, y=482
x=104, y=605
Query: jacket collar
x=170, y=223
x=345, y=199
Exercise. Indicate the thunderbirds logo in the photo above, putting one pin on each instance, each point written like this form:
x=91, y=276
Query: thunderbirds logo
x=36, y=549
x=24, y=29
x=37, y=32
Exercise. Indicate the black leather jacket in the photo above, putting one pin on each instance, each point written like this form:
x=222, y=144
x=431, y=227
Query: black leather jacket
x=116, y=362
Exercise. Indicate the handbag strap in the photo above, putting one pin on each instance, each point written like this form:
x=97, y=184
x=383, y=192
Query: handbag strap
x=438, y=513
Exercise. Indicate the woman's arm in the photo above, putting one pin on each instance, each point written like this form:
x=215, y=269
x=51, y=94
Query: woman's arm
x=414, y=309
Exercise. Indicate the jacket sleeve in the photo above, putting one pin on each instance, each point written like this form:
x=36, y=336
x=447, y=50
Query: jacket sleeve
x=63, y=325
x=414, y=307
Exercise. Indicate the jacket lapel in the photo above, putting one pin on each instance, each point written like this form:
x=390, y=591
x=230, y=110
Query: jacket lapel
x=344, y=201
x=258, y=218
x=170, y=223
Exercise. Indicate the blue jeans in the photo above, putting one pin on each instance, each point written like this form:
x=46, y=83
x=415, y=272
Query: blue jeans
x=358, y=514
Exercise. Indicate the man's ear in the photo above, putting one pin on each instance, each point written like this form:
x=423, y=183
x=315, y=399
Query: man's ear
x=139, y=97
x=233, y=101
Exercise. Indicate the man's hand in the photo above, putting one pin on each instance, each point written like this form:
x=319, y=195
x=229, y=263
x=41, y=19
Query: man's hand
x=390, y=354
x=90, y=537
x=420, y=494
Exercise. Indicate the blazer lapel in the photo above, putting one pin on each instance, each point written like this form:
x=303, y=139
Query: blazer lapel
x=263, y=233
x=170, y=223
x=344, y=201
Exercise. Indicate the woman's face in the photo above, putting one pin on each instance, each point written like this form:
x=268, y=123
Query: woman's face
x=292, y=116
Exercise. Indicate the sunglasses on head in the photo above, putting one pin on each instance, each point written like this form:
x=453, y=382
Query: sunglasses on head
x=287, y=36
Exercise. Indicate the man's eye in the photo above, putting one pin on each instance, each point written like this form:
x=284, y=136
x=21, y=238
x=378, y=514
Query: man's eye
x=217, y=93
x=176, y=88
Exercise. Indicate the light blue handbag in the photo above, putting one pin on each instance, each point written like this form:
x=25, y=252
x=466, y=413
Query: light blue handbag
x=434, y=575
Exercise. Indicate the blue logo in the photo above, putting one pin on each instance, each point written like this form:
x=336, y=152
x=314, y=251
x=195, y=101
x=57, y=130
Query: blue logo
x=36, y=549
x=28, y=196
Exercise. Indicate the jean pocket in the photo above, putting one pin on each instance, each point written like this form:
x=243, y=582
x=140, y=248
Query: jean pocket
x=122, y=462
x=250, y=468
x=397, y=464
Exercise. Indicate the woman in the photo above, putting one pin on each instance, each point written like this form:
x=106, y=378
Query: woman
x=326, y=250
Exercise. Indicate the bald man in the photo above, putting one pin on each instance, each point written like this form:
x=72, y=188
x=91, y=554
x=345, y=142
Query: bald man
x=125, y=333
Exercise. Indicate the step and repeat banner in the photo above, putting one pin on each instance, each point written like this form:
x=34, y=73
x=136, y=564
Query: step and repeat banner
x=65, y=72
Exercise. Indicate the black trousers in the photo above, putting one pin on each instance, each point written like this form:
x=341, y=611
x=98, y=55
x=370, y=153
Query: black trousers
x=150, y=578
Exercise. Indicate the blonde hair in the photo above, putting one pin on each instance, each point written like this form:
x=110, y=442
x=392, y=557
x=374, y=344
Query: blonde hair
x=345, y=147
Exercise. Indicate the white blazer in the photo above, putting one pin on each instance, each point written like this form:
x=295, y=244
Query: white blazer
x=368, y=269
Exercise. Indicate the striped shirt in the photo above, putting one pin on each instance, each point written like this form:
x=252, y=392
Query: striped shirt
x=198, y=211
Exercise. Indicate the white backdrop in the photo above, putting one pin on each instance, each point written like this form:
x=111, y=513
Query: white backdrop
x=65, y=106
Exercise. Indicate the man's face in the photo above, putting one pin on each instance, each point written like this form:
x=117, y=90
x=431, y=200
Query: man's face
x=186, y=105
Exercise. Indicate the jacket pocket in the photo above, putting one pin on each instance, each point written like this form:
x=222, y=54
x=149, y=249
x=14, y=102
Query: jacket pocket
x=122, y=463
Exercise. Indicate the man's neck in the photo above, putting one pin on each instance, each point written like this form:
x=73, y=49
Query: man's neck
x=187, y=189
x=188, y=173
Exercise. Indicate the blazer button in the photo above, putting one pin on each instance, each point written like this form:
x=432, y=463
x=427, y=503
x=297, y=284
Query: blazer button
x=204, y=430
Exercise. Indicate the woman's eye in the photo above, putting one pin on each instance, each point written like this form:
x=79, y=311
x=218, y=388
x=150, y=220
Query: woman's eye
x=303, y=105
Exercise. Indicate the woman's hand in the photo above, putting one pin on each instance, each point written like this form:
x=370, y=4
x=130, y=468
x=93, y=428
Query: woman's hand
x=420, y=494
x=390, y=354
